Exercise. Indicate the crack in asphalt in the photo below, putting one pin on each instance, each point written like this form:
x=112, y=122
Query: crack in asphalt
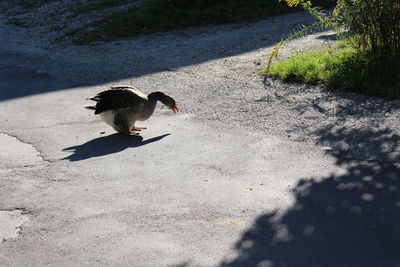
x=12, y=220
x=37, y=150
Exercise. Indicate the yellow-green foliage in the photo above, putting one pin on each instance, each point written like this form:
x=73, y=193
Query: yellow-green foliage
x=291, y=3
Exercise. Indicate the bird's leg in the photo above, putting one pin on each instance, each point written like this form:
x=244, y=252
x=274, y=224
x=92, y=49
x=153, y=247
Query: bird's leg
x=128, y=130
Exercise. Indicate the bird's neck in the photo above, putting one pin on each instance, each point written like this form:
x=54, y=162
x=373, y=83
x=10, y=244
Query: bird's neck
x=152, y=101
x=154, y=97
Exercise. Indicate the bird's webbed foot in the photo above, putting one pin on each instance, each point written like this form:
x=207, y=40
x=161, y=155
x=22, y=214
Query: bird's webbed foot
x=131, y=130
x=137, y=128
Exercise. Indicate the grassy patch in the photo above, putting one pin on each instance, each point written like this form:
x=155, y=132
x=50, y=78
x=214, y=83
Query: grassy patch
x=342, y=67
x=164, y=15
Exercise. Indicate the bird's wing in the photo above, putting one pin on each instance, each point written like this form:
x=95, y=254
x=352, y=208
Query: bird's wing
x=130, y=88
x=118, y=98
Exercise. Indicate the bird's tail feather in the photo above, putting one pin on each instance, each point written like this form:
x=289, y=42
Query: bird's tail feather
x=91, y=107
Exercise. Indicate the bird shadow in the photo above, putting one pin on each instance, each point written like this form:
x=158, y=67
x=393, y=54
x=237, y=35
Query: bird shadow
x=107, y=145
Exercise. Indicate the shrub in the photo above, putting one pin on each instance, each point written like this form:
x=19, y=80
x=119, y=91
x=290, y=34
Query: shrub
x=370, y=61
x=376, y=23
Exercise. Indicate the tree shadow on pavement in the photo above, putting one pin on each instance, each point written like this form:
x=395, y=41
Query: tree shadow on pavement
x=351, y=219
x=177, y=49
x=107, y=145
x=19, y=82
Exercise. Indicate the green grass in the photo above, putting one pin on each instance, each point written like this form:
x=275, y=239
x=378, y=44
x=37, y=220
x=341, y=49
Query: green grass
x=164, y=15
x=341, y=67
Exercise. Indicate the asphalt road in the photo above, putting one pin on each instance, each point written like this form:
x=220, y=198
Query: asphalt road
x=181, y=193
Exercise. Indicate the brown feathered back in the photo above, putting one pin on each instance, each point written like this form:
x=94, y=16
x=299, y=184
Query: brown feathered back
x=117, y=98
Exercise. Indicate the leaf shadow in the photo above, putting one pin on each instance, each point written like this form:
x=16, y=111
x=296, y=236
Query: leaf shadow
x=347, y=219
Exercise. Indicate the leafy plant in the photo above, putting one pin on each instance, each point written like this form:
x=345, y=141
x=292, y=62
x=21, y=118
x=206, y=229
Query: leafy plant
x=367, y=58
x=376, y=23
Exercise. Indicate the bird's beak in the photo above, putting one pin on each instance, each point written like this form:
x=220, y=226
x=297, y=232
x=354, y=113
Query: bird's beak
x=175, y=109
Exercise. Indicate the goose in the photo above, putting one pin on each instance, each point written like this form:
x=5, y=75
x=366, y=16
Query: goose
x=121, y=106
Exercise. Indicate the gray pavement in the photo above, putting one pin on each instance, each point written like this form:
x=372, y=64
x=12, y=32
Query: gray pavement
x=181, y=193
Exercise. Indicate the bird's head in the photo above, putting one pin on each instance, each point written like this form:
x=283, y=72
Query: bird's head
x=168, y=101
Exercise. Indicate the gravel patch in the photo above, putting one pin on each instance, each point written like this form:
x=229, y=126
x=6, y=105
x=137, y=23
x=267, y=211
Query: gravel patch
x=212, y=71
x=56, y=20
